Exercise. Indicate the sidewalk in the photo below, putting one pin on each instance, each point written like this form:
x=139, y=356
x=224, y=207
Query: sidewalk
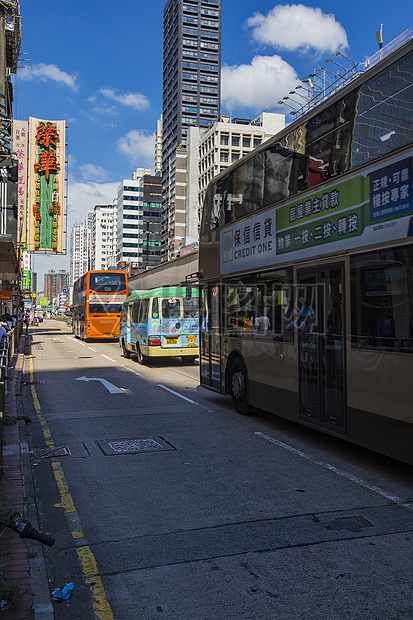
x=22, y=567
x=14, y=562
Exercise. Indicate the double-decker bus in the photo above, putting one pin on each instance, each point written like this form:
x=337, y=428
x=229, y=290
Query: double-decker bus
x=97, y=302
x=162, y=322
x=306, y=267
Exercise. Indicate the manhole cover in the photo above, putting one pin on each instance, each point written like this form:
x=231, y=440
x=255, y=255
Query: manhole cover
x=132, y=446
x=353, y=524
x=50, y=452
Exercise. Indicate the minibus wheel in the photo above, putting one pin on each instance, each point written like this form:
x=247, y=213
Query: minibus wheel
x=141, y=358
x=126, y=353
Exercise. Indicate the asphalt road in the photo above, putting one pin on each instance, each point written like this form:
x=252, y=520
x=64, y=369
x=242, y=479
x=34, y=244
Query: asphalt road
x=169, y=505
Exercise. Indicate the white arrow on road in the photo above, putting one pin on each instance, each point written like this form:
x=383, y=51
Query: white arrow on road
x=109, y=386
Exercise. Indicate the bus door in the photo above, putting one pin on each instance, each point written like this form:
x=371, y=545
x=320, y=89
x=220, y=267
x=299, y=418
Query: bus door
x=321, y=346
x=128, y=325
x=210, y=337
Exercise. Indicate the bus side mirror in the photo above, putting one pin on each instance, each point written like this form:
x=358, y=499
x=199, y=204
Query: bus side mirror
x=188, y=292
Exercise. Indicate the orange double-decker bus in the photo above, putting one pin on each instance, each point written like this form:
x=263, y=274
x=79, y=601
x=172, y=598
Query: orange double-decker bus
x=97, y=302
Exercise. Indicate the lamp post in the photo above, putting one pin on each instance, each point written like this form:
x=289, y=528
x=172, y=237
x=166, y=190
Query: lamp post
x=354, y=63
x=293, y=100
x=290, y=106
x=312, y=84
x=338, y=65
x=293, y=92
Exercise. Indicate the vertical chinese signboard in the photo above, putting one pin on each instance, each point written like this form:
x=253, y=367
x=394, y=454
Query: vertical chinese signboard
x=46, y=185
x=20, y=146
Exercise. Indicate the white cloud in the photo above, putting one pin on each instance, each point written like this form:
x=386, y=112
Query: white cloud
x=137, y=101
x=91, y=172
x=258, y=85
x=296, y=26
x=43, y=72
x=83, y=196
x=138, y=147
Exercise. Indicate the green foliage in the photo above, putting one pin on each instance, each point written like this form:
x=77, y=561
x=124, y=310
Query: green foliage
x=11, y=592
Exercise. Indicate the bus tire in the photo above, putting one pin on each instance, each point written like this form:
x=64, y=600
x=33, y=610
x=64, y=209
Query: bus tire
x=239, y=387
x=126, y=353
x=141, y=358
x=188, y=359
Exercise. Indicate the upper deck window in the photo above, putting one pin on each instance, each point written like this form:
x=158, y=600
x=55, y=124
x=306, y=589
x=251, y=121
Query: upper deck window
x=365, y=124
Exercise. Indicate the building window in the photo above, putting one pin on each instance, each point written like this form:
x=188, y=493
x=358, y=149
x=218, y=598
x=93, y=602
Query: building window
x=235, y=140
x=224, y=139
x=246, y=142
x=224, y=156
x=257, y=142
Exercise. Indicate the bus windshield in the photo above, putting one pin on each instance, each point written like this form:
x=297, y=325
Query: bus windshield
x=105, y=282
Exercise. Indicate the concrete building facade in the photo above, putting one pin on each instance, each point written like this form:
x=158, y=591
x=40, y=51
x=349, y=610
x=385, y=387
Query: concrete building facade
x=139, y=213
x=55, y=283
x=191, y=94
x=80, y=237
x=214, y=149
x=104, y=236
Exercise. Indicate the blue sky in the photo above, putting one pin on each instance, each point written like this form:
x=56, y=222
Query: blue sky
x=99, y=67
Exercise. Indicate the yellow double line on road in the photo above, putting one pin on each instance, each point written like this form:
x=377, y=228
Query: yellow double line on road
x=90, y=570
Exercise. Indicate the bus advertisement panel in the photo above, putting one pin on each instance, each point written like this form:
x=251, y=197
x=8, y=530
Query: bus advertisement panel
x=97, y=302
x=162, y=322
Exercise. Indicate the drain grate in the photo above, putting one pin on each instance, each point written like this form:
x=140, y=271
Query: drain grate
x=133, y=446
x=46, y=453
x=353, y=524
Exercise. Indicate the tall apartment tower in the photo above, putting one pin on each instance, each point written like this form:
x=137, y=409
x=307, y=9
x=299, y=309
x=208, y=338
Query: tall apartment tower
x=104, y=236
x=158, y=146
x=55, y=283
x=80, y=237
x=191, y=97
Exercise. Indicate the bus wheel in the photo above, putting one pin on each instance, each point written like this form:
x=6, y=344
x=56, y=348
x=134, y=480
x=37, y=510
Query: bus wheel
x=188, y=359
x=141, y=358
x=239, y=388
x=126, y=353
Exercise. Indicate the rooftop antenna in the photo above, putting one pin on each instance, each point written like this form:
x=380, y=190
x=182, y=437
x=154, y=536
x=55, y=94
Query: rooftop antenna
x=379, y=36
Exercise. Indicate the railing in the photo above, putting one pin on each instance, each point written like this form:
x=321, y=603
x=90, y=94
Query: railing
x=358, y=69
x=8, y=348
x=389, y=48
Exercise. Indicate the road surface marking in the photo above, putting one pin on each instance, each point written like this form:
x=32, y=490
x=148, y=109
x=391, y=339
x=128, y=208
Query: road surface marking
x=340, y=472
x=94, y=350
x=130, y=370
x=109, y=386
x=101, y=607
x=108, y=358
x=176, y=394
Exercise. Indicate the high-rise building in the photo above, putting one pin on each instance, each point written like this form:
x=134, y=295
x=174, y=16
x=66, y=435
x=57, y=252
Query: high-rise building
x=158, y=146
x=191, y=93
x=55, y=283
x=139, y=213
x=89, y=223
x=80, y=237
x=104, y=236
